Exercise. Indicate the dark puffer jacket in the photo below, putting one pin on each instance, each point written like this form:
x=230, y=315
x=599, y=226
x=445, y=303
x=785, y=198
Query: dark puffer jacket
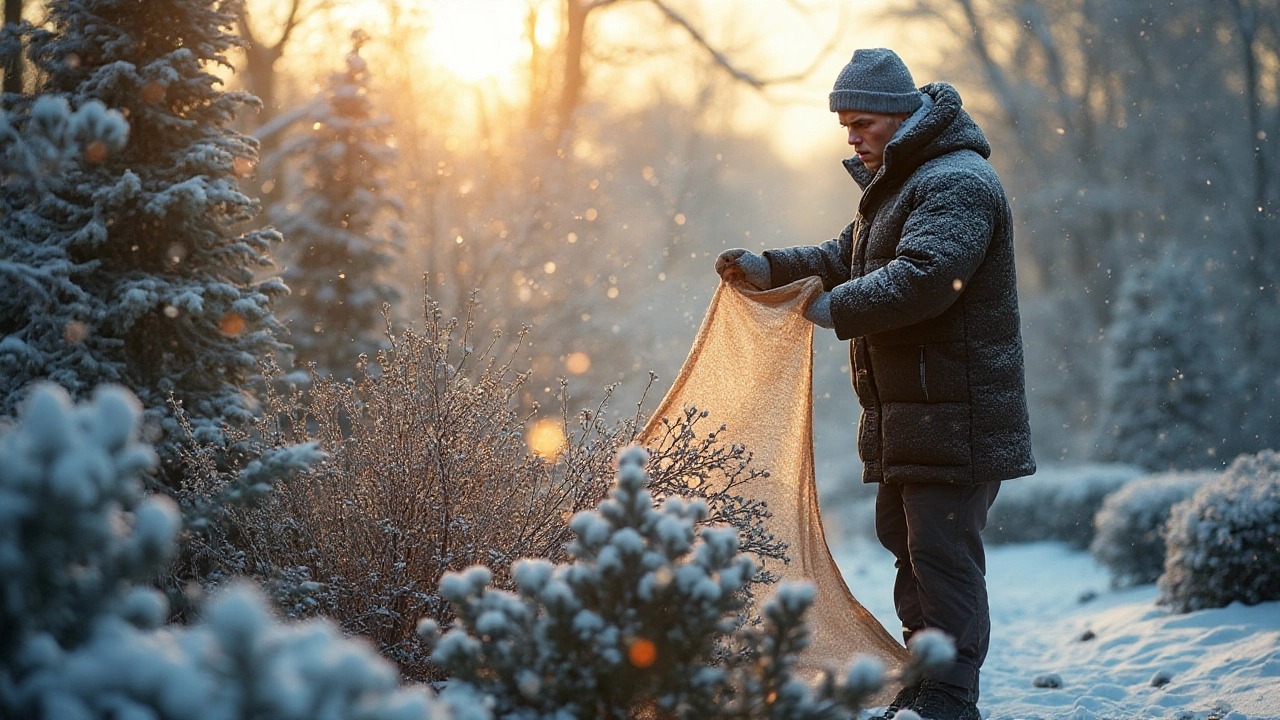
x=923, y=283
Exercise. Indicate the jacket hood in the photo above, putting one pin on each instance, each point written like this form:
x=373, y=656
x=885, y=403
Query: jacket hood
x=944, y=129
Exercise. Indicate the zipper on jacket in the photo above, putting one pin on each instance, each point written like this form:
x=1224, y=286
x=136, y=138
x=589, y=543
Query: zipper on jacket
x=924, y=384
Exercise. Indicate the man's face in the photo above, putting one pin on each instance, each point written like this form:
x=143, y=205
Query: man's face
x=868, y=134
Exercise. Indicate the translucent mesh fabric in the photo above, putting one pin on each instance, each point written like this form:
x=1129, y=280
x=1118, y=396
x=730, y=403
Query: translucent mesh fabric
x=751, y=367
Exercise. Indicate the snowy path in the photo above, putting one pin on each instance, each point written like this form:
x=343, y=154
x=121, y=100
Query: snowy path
x=1216, y=660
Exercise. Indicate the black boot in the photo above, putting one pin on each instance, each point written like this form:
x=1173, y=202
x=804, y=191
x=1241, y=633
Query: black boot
x=904, y=698
x=943, y=701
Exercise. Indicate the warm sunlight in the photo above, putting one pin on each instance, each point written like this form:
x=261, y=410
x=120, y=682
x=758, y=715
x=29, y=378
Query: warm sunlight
x=477, y=39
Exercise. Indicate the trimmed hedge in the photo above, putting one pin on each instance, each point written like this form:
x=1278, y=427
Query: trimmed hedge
x=1128, y=536
x=1057, y=503
x=1223, y=543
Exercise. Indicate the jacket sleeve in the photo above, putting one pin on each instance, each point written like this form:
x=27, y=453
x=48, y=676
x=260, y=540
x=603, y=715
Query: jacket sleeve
x=829, y=261
x=944, y=239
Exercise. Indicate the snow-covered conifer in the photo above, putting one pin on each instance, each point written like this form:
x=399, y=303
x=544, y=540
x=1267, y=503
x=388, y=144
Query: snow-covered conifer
x=1166, y=395
x=339, y=228
x=130, y=266
x=81, y=638
x=75, y=527
x=637, y=620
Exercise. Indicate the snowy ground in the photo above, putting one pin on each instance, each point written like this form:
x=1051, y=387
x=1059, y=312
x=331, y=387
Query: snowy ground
x=1045, y=598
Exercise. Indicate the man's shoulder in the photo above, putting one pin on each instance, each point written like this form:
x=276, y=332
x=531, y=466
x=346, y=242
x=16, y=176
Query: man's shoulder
x=960, y=171
x=955, y=165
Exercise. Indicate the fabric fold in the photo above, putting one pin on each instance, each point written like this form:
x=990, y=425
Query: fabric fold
x=751, y=369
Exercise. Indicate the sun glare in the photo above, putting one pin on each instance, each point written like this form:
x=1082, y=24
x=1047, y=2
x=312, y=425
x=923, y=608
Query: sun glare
x=477, y=39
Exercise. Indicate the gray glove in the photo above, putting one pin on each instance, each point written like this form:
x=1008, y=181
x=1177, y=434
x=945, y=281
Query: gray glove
x=746, y=265
x=819, y=311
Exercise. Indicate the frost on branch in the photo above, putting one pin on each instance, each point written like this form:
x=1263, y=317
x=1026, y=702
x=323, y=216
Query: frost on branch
x=80, y=637
x=636, y=623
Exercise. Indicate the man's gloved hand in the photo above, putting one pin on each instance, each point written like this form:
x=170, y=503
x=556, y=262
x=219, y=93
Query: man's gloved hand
x=819, y=311
x=744, y=264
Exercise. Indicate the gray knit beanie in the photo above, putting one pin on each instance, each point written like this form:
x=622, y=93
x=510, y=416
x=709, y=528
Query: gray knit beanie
x=875, y=81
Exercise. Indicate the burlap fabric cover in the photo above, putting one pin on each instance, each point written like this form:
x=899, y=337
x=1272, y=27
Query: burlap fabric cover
x=751, y=367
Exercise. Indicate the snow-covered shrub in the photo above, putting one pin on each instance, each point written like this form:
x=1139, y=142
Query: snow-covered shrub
x=133, y=266
x=338, y=222
x=1129, y=526
x=1057, y=503
x=638, y=624
x=1223, y=543
x=81, y=637
x=428, y=470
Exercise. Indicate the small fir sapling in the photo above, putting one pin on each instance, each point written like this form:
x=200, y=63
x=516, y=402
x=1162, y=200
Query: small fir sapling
x=82, y=637
x=134, y=266
x=634, y=623
x=1223, y=543
x=76, y=530
x=339, y=226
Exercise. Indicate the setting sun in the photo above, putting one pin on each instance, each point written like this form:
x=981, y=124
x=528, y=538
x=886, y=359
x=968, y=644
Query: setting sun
x=479, y=39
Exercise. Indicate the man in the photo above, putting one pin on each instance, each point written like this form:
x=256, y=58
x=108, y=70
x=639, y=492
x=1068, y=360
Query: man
x=922, y=282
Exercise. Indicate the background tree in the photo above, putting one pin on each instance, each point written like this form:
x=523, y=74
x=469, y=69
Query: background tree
x=1163, y=396
x=135, y=271
x=339, y=237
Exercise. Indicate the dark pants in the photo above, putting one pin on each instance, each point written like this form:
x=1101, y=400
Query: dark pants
x=934, y=531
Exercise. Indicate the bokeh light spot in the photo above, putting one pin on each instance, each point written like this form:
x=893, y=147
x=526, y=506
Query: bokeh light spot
x=577, y=363
x=75, y=332
x=152, y=93
x=546, y=439
x=642, y=653
x=231, y=324
x=96, y=152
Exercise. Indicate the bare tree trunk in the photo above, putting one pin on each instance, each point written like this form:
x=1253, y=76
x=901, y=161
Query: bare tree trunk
x=260, y=79
x=1245, y=16
x=575, y=14
x=13, y=71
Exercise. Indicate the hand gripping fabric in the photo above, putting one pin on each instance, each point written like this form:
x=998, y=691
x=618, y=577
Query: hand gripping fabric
x=751, y=368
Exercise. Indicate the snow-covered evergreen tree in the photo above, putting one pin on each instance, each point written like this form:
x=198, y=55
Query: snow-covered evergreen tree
x=1168, y=394
x=130, y=266
x=340, y=228
x=82, y=637
x=635, y=625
